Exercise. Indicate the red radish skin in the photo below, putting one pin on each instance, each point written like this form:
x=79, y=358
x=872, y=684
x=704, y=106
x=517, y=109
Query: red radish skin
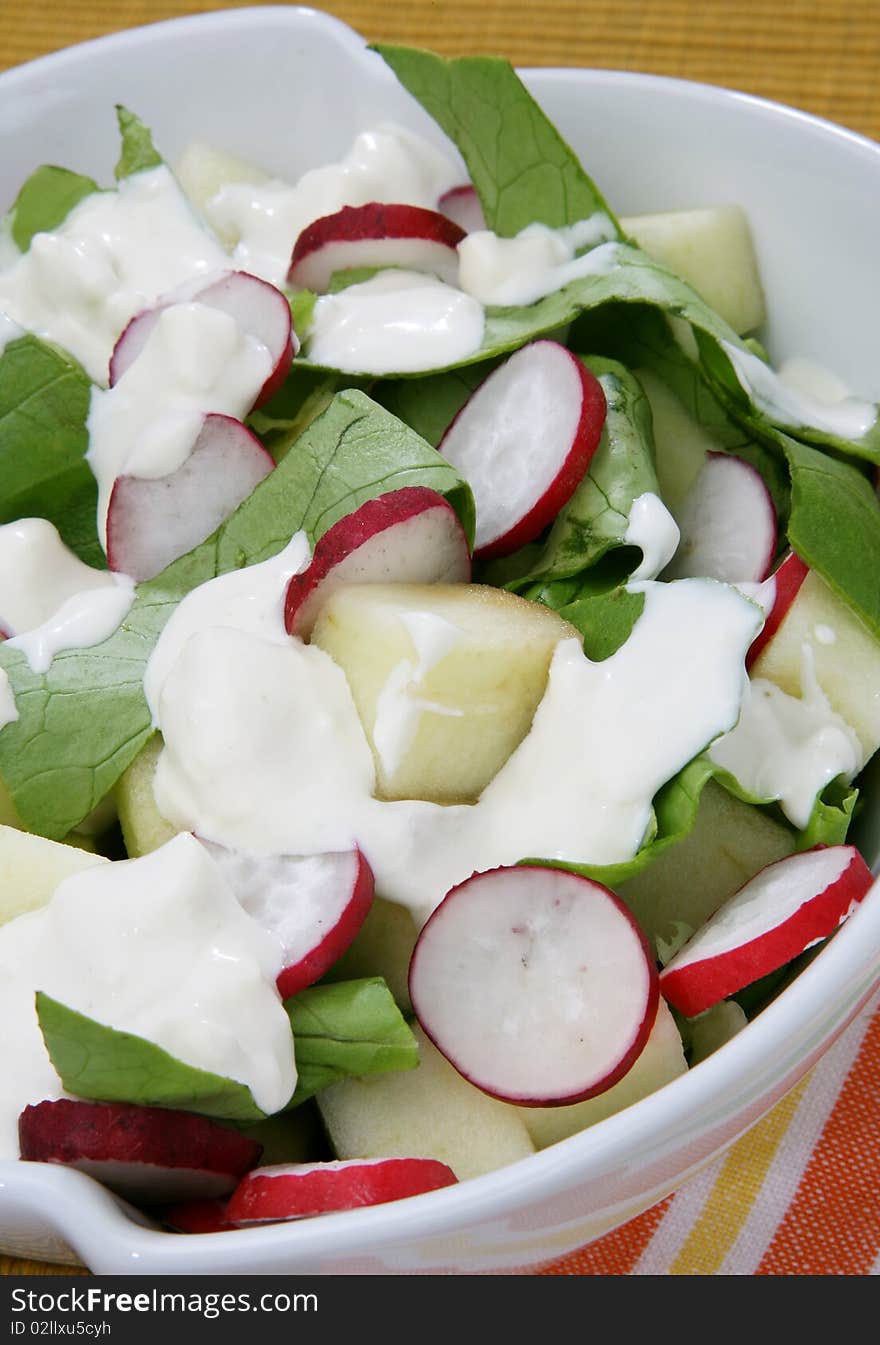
x=536, y=983
x=197, y=1216
x=411, y=536
x=259, y=308
x=534, y=424
x=801, y=899
x=728, y=524
x=376, y=234
x=315, y=904
x=788, y=578
x=153, y=521
x=148, y=1154
x=462, y=205
x=299, y=1190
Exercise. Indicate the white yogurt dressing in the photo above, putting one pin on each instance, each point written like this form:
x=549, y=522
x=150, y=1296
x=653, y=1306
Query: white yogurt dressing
x=789, y=402
x=395, y=322
x=400, y=705
x=789, y=748
x=385, y=164
x=264, y=749
x=158, y=947
x=507, y=272
x=49, y=599
x=195, y=361
x=9, y=331
x=651, y=527
x=114, y=254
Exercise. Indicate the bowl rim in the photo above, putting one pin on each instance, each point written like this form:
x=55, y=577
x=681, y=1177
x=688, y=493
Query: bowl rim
x=88, y=1216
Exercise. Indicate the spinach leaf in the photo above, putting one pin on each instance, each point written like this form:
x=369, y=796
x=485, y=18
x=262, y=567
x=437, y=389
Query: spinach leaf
x=45, y=200
x=429, y=405
x=347, y=1028
x=605, y=620
x=138, y=151
x=44, y=405
x=522, y=169
x=107, y=1065
x=84, y=720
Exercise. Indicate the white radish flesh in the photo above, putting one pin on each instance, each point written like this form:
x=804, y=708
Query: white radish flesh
x=152, y=521
x=462, y=205
x=257, y=307
x=779, y=913
x=315, y=904
x=148, y=1154
x=728, y=525
x=297, y=1190
x=535, y=983
x=375, y=235
x=523, y=441
x=411, y=536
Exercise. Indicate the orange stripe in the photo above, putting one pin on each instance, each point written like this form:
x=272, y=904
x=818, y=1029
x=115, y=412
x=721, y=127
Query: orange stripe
x=832, y=1226
x=616, y=1253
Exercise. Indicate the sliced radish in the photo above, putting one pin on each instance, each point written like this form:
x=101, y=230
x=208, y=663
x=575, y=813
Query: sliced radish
x=375, y=235
x=779, y=913
x=523, y=440
x=410, y=536
x=148, y=1154
x=728, y=524
x=259, y=308
x=296, y=1190
x=197, y=1216
x=536, y=984
x=151, y=521
x=787, y=581
x=315, y=904
x=462, y=205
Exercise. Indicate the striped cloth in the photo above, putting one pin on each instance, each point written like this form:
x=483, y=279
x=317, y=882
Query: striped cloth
x=797, y=1195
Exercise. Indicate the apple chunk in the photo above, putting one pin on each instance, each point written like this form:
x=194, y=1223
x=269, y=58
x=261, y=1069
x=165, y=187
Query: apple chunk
x=712, y=249
x=446, y=679
x=31, y=867
x=820, y=629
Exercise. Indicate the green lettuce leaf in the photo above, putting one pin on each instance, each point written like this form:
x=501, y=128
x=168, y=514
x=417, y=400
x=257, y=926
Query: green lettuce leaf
x=106, y=1065
x=45, y=200
x=347, y=1028
x=44, y=405
x=84, y=720
x=138, y=152
x=522, y=169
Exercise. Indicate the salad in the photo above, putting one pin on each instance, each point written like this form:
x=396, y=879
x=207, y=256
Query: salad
x=440, y=652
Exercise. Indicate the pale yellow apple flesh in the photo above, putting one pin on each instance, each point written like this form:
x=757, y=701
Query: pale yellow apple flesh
x=31, y=867
x=426, y=1112
x=712, y=249
x=143, y=826
x=446, y=679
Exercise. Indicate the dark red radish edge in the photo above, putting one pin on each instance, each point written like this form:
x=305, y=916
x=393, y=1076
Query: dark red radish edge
x=572, y=468
x=463, y=206
x=132, y=495
x=311, y=263
x=762, y=520
x=196, y=1216
x=302, y=1190
x=72, y=1132
x=639, y=1041
x=788, y=577
x=308, y=591
x=312, y=967
x=698, y=985
x=282, y=348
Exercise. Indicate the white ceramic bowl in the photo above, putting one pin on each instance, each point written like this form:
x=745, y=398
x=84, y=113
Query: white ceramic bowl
x=291, y=87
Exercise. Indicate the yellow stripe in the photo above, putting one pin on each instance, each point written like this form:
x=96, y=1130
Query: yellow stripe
x=736, y=1188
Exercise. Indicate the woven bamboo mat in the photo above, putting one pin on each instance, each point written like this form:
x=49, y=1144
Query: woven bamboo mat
x=818, y=55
